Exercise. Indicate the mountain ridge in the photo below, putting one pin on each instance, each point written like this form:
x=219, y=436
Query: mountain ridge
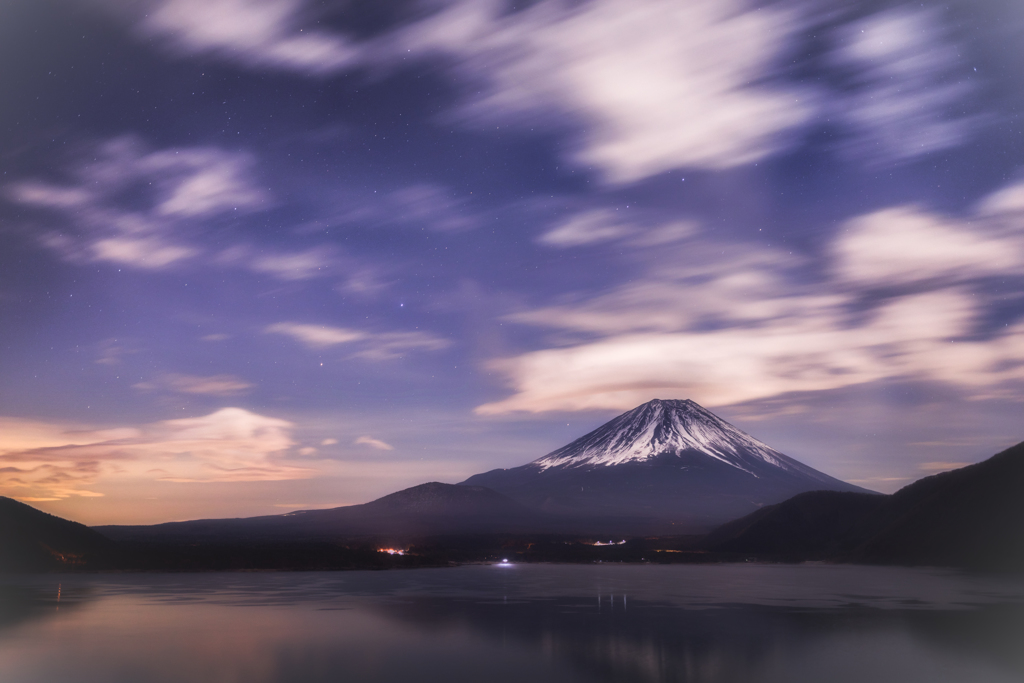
x=666, y=425
x=970, y=517
x=426, y=509
x=33, y=540
x=668, y=460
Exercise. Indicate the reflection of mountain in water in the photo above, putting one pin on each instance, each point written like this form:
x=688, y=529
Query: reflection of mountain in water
x=539, y=624
x=613, y=638
x=32, y=540
x=21, y=604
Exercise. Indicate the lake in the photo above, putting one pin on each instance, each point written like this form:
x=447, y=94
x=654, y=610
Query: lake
x=532, y=623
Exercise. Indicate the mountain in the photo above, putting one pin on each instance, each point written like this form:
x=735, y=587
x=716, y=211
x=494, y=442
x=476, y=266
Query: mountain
x=432, y=509
x=971, y=517
x=31, y=540
x=665, y=462
x=815, y=525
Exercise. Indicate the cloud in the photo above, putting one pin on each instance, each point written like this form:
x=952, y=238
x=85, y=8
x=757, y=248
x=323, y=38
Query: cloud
x=908, y=89
x=213, y=385
x=388, y=345
x=374, y=443
x=297, y=265
x=726, y=326
x=430, y=205
x=917, y=337
x=42, y=194
x=596, y=226
x=1009, y=201
x=906, y=244
x=665, y=234
x=654, y=84
x=256, y=33
x=641, y=87
x=149, y=253
x=420, y=205
x=287, y=266
x=231, y=444
x=589, y=227
x=316, y=336
x=148, y=209
x=208, y=181
x=942, y=466
x=699, y=284
x=648, y=86
x=110, y=351
x=374, y=346
x=39, y=460
x=132, y=206
x=363, y=282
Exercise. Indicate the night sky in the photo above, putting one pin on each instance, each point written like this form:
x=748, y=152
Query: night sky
x=262, y=255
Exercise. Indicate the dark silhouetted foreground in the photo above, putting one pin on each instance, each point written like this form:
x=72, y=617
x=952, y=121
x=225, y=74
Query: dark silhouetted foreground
x=971, y=518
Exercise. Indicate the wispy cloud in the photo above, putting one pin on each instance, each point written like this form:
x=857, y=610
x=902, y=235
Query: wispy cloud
x=431, y=206
x=149, y=209
x=589, y=227
x=388, y=345
x=907, y=244
x=908, y=89
x=257, y=33
x=373, y=443
x=47, y=461
x=640, y=87
x=128, y=204
x=371, y=345
x=654, y=85
x=149, y=252
x=420, y=206
x=212, y=385
x=596, y=226
x=1006, y=203
x=112, y=351
x=291, y=266
x=316, y=336
x=729, y=326
x=645, y=87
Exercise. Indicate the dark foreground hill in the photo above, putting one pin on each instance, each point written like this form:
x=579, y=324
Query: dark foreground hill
x=432, y=509
x=31, y=540
x=971, y=517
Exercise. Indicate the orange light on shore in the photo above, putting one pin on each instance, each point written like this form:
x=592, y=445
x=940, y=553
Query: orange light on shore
x=391, y=551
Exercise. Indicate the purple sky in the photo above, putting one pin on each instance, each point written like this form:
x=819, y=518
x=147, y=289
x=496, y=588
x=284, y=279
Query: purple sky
x=260, y=255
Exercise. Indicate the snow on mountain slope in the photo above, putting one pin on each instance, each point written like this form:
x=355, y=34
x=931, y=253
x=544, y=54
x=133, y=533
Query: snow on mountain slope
x=662, y=427
x=666, y=462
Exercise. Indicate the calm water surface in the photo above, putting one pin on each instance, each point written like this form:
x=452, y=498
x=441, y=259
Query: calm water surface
x=531, y=623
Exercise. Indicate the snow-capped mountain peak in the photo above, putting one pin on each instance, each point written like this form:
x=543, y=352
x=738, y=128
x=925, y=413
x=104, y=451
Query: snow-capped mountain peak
x=668, y=427
x=668, y=460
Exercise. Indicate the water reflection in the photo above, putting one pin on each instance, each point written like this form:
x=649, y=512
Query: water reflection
x=539, y=623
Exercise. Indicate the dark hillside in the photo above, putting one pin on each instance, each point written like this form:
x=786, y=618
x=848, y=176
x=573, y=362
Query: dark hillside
x=31, y=540
x=426, y=510
x=972, y=518
x=813, y=525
